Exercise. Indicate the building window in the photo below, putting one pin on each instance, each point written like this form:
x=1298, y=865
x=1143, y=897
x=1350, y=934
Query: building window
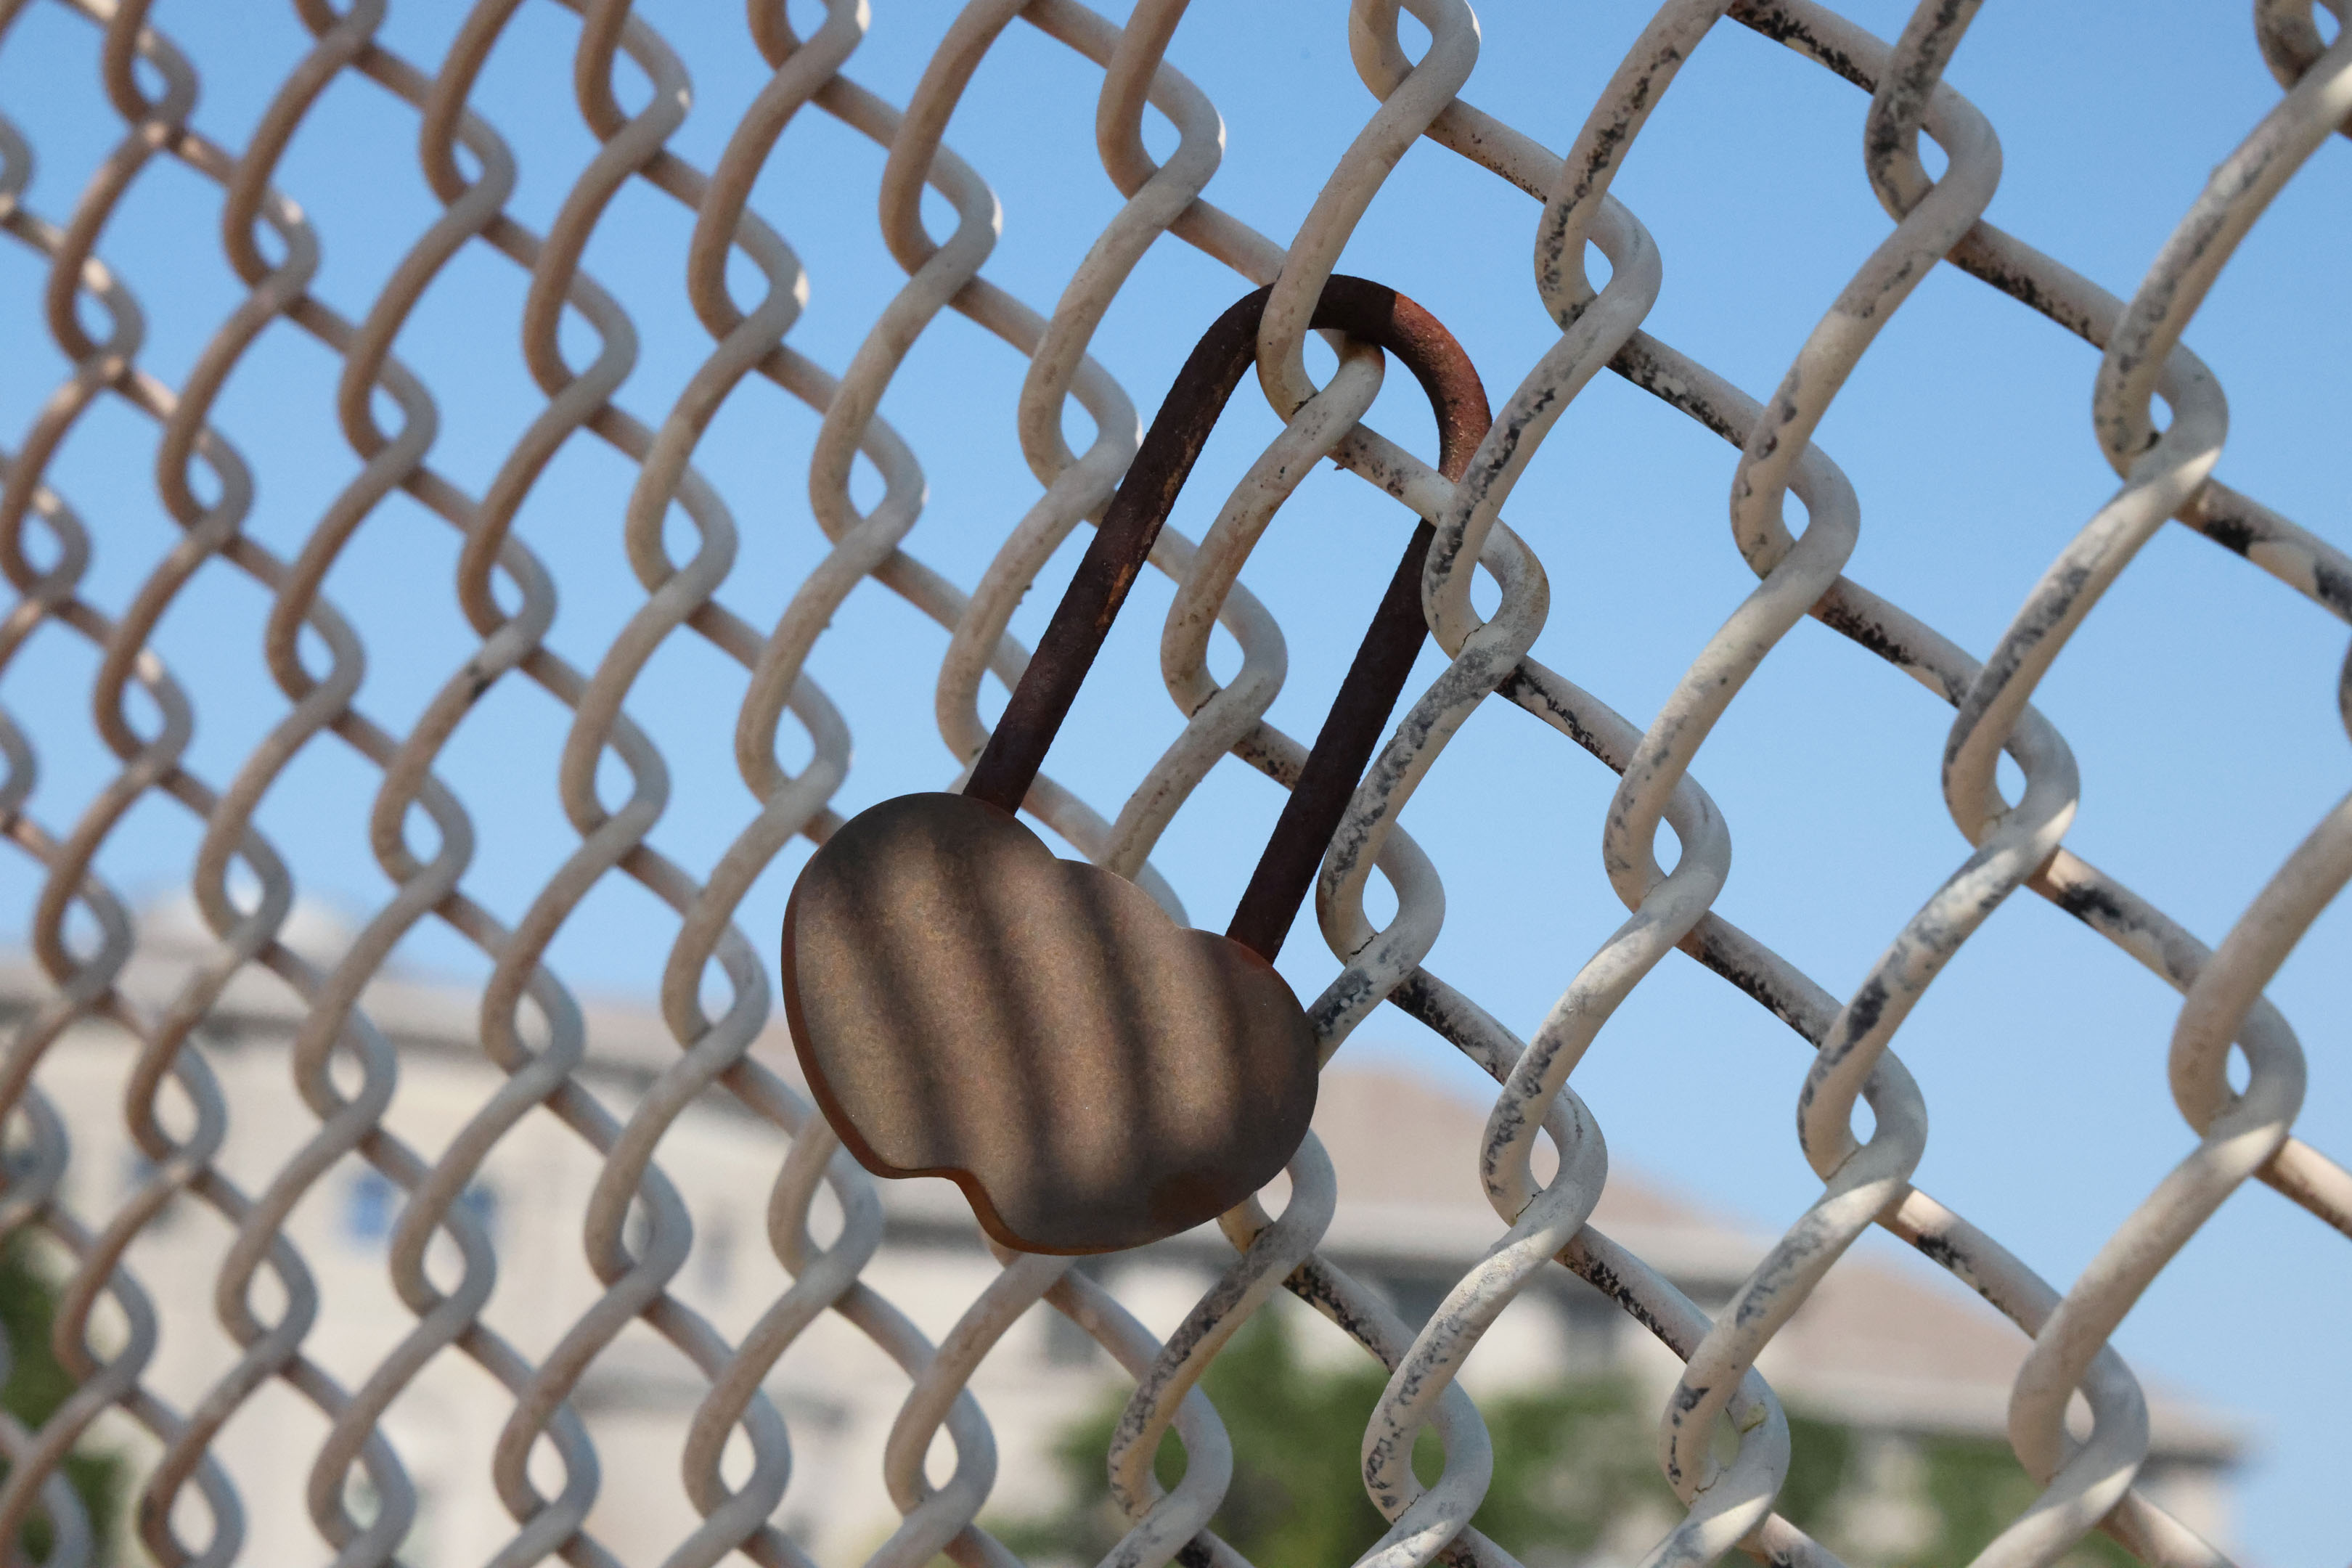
x=1066, y=1344
x=1416, y=1297
x=371, y=1204
x=367, y=1207
x=137, y=1172
x=481, y=1201
x=715, y=1253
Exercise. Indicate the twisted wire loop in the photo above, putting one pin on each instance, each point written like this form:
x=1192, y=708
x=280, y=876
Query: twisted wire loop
x=1724, y=1440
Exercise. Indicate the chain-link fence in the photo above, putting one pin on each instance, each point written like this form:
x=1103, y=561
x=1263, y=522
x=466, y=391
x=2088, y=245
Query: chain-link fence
x=212, y=1093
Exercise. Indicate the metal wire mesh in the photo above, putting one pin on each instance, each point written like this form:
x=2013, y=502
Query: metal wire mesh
x=254, y=1163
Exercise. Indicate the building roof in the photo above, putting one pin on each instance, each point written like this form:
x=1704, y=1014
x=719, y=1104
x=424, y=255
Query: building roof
x=1883, y=1341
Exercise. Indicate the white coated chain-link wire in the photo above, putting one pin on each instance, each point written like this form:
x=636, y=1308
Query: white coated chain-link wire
x=637, y=1231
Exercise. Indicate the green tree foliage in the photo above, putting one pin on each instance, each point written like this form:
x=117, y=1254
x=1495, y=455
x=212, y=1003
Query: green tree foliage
x=1977, y=1485
x=1566, y=1460
x=1570, y=1459
x=36, y=1386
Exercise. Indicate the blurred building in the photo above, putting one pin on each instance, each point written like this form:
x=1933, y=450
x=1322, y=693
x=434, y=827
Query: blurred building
x=1897, y=1352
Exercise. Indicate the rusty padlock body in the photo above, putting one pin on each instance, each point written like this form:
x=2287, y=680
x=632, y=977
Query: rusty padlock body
x=1037, y=1030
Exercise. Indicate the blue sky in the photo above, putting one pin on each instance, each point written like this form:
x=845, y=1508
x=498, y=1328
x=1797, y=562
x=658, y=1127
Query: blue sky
x=2199, y=698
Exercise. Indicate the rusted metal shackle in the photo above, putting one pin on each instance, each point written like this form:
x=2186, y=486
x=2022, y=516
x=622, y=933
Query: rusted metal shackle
x=1092, y=1075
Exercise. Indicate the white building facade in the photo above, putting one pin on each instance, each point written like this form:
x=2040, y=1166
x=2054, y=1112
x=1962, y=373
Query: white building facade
x=1898, y=1354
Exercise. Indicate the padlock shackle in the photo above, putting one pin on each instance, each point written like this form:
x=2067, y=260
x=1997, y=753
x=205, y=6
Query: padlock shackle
x=1286, y=871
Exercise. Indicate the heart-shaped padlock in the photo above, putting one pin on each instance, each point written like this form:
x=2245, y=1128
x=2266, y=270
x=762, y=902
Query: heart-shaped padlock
x=966, y=1004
